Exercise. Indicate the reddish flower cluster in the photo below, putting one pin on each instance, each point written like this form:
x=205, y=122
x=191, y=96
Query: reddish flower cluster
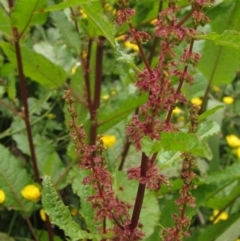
x=124, y=15
x=104, y=201
x=153, y=179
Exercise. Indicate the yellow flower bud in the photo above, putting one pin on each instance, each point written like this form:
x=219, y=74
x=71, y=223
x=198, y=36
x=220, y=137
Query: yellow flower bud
x=223, y=216
x=43, y=215
x=2, y=196
x=108, y=140
x=196, y=101
x=129, y=45
x=228, y=100
x=31, y=192
x=233, y=141
x=176, y=110
x=237, y=152
x=105, y=97
x=216, y=88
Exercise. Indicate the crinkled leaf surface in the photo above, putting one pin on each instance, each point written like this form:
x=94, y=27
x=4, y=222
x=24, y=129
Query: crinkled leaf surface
x=207, y=129
x=37, y=67
x=75, y=177
x=60, y=214
x=13, y=178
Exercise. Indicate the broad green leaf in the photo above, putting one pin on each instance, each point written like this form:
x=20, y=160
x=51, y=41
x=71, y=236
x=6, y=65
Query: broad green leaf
x=150, y=212
x=229, y=38
x=219, y=64
x=95, y=14
x=228, y=174
x=223, y=230
x=37, y=67
x=207, y=129
x=57, y=54
x=66, y=4
x=13, y=178
x=48, y=160
x=109, y=116
x=67, y=31
x=60, y=214
x=184, y=142
x=22, y=14
x=75, y=177
x=221, y=200
x=5, y=25
x=209, y=112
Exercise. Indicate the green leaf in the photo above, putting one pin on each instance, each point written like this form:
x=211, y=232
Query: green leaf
x=37, y=67
x=221, y=200
x=75, y=177
x=229, y=38
x=101, y=22
x=207, y=129
x=184, y=142
x=150, y=210
x=22, y=14
x=109, y=116
x=67, y=4
x=5, y=24
x=60, y=214
x=67, y=30
x=13, y=178
x=209, y=112
x=48, y=160
x=223, y=230
x=219, y=64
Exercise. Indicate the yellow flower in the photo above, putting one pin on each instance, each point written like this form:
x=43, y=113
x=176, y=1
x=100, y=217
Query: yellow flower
x=153, y=21
x=83, y=14
x=105, y=97
x=233, y=141
x=216, y=88
x=228, y=100
x=31, y=192
x=74, y=211
x=2, y=196
x=121, y=37
x=196, y=101
x=43, y=215
x=129, y=45
x=176, y=110
x=222, y=216
x=108, y=140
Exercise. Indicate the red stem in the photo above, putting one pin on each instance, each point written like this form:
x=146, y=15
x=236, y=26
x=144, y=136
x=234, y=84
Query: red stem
x=140, y=194
x=97, y=90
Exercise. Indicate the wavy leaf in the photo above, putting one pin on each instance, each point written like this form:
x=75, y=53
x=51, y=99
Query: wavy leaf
x=207, y=129
x=60, y=214
x=75, y=177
